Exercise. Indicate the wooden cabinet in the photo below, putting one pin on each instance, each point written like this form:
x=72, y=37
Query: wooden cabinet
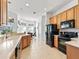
x=77, y=16
x=72, y=52
x=63, y=16
x=58, y=21
x=3, y=11
x=53, y=20
x=26, y=41
x=49, y=20
x=70, y=14
x=29, y=40
x=56, y=41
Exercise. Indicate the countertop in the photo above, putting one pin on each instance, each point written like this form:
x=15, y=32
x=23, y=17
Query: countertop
x=74, y=42
x=7, y=46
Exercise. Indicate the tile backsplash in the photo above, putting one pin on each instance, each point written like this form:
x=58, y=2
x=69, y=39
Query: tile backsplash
x=69, y=30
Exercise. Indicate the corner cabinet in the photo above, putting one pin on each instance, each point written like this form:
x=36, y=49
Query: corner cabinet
x=3, y=11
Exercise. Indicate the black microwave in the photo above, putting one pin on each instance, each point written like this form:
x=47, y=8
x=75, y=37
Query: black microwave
x=67, y=24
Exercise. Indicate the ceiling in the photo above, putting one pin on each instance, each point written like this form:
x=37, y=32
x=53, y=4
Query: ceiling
x=36, y=7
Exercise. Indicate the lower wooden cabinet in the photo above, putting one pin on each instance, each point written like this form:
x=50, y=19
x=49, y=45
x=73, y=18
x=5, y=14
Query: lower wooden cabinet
x=56, y=41
x=72, y=52
x=26, y=41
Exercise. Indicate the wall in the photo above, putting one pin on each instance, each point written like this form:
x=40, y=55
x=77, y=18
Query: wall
x=42, y=26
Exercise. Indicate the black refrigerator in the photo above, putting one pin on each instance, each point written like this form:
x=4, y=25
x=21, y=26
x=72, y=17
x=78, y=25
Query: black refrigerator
x=50, y=32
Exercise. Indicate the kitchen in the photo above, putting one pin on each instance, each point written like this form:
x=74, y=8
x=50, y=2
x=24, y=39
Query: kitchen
x=67, y=23
x=64, y=39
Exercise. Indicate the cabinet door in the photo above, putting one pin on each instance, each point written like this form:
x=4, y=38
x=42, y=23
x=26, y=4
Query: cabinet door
x=77, y=16
x=3, y=11
x=72, y=52
x=53, y=20
x=24, y=42
x=63, y=16
x=58, y=21
x=70, y=14
x=29, y=39
x=56, y=41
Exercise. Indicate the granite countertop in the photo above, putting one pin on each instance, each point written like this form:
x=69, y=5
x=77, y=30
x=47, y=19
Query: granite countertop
x=74, y=42
x=7, y=46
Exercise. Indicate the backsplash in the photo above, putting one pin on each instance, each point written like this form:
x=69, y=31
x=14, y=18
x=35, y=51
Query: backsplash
x=69, y=30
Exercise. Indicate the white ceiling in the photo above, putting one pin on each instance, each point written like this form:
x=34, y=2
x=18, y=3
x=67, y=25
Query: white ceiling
x=37, y=6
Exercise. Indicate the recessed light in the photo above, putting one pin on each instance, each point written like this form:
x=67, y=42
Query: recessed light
x=45, y=9
x=34, y=12
x=27, y=4
x=21, y=8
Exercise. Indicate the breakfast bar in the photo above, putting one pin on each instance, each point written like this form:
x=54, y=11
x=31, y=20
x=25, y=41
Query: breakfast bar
x=8, y=45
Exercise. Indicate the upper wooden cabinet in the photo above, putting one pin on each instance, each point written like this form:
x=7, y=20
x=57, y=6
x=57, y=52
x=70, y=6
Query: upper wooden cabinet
x=49, y=20
x=63, y=16
x=3, y=11
x=53, y=20
x=70, y=14
x=77, y=16
x=58, y=21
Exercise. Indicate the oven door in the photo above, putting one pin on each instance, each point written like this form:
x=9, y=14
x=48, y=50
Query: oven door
x=62, y=45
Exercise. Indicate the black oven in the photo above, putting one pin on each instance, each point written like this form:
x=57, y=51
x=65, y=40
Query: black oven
x=65, y=37
x=62, y=45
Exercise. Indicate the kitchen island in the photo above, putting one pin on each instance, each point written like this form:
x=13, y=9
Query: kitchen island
x=8, y=45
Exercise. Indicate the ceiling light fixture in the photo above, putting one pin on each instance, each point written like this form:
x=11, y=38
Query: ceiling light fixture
x=34, y=12
x=27, y=4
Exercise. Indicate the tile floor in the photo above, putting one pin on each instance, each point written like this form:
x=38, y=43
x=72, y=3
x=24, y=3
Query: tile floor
x=39, y=50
